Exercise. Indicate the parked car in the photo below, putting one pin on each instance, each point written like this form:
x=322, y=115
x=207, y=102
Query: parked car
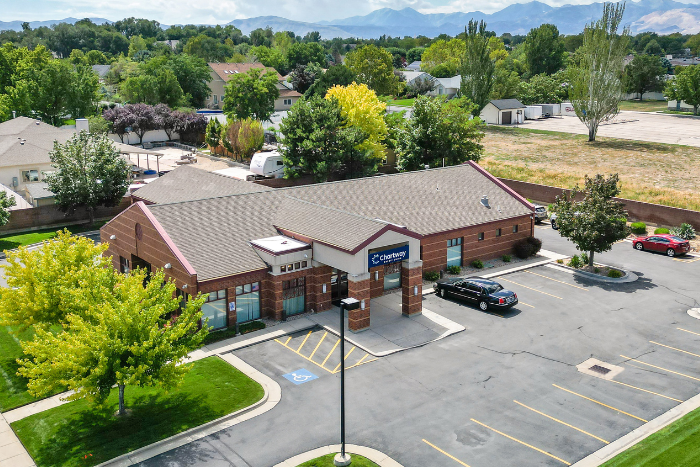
x=486, y=293
x=540, y=213
x=663, y=243
x=553, y=221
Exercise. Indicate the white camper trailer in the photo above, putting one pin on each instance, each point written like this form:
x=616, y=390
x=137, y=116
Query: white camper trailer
x=267, y=164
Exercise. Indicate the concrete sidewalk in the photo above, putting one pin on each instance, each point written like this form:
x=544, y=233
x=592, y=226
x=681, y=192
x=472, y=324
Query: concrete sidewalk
x=12, y=452
x=389, y=330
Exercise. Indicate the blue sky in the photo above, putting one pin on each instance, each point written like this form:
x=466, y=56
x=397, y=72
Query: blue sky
x=223, y=11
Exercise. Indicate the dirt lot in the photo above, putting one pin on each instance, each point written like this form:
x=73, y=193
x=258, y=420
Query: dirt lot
x=652, y=172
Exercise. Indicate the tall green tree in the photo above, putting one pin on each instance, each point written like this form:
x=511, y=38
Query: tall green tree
x=40, y=281
x=374, y=67
x=305, y=53
x=439, y=133
x=193, y=75
x=544, y=88
x=124, y=337
x=251, y=95
x=213, y=134
x=447, y=55
x=596, y=82
x=644, y=74
x=685, y=86
x=84, y=92
x=318, y=142
x=52, y=91
x=338, y=75
x=544, y=50
x=89, y=173
x=595, y=222
x=477, y=67
x=5, y=204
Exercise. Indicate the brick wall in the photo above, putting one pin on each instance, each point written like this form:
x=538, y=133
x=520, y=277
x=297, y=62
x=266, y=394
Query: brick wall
x=411, y=303
x=376, y=287
x=48, y=216
x=359, y=319
x=637, y=210
x=435, y=246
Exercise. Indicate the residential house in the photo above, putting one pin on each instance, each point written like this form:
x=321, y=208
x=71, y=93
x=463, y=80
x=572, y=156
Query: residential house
x=101, y=71
x=447, y=86
x=414, y=66
x=503, y=112
x=221, y=73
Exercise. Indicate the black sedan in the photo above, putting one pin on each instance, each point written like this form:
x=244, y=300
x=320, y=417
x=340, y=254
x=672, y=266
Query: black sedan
x=486, y=293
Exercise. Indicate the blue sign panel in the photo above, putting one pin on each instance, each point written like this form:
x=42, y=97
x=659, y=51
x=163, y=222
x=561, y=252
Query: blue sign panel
x=300, y=376
x=388, y=256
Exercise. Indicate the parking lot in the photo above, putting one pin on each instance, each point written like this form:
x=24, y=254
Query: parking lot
x=505, y=392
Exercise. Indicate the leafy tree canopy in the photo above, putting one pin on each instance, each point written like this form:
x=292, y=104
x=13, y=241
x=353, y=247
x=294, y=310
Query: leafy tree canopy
x=374, y=67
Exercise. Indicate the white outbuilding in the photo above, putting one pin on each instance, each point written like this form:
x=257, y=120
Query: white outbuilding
x=503, y=112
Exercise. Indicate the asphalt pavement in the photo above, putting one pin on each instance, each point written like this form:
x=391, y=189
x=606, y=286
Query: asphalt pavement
x=505, y=392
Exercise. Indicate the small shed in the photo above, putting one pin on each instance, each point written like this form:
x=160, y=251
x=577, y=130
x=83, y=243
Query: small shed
x=503, y=112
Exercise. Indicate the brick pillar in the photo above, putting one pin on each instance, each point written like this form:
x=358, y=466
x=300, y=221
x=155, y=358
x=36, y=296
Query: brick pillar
x=272, y=297
x=411, y=276
x=358, y=288
x=231, y=293
x=376, y=286
x=320, y=301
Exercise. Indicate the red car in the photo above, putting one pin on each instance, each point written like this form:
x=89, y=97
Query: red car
x=663, y=243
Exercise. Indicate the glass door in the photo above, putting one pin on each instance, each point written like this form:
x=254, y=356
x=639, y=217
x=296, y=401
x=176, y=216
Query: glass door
x=339, y=286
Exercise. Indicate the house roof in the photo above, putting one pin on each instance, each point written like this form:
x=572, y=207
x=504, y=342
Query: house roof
x=289, y=93
x=414, y=65
x=504, y=104
x=453, y=82
x=214, y=233
x=187, y=183
x=38, y=141
x=20, y=203
x=101, y=70
x=411, y=75
x=226, y=70
x=39, y=190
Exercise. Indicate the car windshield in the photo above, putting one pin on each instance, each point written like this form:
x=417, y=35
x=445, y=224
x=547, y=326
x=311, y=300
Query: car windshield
x=493, y=288
x=677, y=239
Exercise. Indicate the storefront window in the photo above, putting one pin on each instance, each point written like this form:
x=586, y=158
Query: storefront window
x=454, y=252
x=248, y=302
x=214, y=310
x=294, y=296
x=392, y=275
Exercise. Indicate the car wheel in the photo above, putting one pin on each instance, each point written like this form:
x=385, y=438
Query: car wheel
x=483, y=305
x=554, y=225
x=442, y=293
x=639, y=246
x=671, y=252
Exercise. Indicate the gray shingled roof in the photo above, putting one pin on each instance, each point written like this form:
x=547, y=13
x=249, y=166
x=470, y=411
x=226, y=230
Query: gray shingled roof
x=213, y=233
x=39, y=141
x=505, y=104
x=188, y=183
x=39, y=190
x=101, y=70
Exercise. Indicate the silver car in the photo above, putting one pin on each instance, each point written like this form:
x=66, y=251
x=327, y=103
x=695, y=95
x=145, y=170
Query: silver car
x=540, y=214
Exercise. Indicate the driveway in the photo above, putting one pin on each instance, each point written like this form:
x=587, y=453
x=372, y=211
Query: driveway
x=506, y=392
x=640, y=126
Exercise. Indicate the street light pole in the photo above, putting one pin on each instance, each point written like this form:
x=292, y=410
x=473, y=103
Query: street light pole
x=343, y=459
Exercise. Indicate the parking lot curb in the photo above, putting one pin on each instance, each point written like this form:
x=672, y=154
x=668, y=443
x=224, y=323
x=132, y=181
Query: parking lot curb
x=375, y=456
x=272, y=396
x=630, y=439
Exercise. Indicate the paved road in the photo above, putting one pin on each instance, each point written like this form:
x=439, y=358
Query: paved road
x=457, y=396
x=641, y=126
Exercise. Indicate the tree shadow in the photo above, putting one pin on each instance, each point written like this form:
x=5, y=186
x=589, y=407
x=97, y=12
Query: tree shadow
x=99, y=435
x=642, y=283
x=631, y=145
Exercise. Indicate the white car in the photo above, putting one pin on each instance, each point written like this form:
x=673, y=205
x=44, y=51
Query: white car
x=540, y=213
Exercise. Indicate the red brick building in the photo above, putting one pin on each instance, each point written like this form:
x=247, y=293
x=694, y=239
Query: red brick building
x=275, y=253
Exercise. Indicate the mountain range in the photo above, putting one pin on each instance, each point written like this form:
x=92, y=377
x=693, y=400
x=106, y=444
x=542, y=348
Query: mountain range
x=661, y=16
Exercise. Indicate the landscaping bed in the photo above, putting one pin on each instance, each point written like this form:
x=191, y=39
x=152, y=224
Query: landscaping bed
x=327, y=461
x=76, y=434
x=675, y=445
x=604, y=271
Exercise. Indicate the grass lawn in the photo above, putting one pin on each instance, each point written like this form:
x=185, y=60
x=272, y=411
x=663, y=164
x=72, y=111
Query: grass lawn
x=401, y=102
x=658, y=173
x=644, y=106
x=676, y=445
x=9, y=242
x=64, y=435
x=327, y=461
x=13, y=388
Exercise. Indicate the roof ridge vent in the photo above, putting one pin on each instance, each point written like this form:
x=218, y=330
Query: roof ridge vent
x=485, y=201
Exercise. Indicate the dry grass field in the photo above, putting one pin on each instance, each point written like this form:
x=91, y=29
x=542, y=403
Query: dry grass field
x=653, y=172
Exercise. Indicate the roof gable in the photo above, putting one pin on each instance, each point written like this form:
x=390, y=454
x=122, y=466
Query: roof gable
x=226, y=71
x=505, y=104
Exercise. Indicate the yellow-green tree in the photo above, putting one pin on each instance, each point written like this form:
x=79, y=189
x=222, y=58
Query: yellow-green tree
x=126, y=336
x=374, y=67
x=361, y=109
x=40, y=282
x=444, y=54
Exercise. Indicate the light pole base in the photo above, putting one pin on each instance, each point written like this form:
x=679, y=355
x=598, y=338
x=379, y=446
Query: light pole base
x=340, y=461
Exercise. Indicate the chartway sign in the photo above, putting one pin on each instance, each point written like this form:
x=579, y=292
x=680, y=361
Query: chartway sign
x=388, y=256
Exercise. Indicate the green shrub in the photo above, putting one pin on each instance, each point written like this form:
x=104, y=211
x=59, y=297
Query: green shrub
x=454, y=269
x=560, y=261
x=615, y=274
x=685, y=231
x=535, y=243
x=527, y=247
x=251, y=326
x=431, y=276
x=596, y=270
x=584, y=258
x=639, y=228
x=575, y=262
x=229, y=332
x=662, y=230
x=506, y=258
x=478, y=264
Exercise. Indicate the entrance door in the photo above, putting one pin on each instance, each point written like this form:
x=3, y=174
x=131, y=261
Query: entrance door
x=339, y=286
x=392, y=275
x=505, y=118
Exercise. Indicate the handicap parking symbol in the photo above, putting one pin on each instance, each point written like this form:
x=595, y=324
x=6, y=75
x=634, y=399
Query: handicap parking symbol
x=300, y=376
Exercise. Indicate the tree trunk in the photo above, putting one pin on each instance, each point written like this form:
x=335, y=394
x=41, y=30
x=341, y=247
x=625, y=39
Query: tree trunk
x=590, y=258
x=122, y=409
x=591, y=133
x=91, y=214
x=695, y=109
